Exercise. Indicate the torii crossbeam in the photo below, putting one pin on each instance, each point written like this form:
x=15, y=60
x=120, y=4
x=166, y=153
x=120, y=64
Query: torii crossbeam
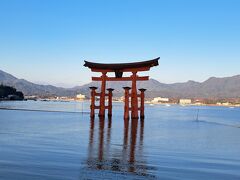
x=119, y=69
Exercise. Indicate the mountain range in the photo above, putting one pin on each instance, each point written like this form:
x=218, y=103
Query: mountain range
x=228, y=87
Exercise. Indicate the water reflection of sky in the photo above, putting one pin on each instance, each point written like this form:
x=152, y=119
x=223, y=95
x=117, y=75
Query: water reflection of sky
x=168, y=144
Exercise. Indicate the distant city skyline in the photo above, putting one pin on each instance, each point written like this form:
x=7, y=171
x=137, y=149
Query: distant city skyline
x=47, y=41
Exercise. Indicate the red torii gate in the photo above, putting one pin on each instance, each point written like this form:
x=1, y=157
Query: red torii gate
x=119, y=69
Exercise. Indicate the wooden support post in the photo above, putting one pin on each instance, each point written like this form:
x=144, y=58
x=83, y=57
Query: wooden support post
x=102, y=95
x=110, y=90
x=92, y=106
x=142, y=96
x=134, y=98
x=126, y=102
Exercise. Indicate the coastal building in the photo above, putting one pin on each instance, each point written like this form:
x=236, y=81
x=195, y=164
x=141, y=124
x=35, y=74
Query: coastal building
x=80, y=96
x=198, y=102
x=121, y=99
x=62, y=98
x=160, y=100
x=34, y=98
x=224, y=104
x=185, y=101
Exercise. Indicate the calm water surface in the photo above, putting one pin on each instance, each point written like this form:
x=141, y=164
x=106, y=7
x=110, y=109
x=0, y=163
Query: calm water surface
x=169, y=144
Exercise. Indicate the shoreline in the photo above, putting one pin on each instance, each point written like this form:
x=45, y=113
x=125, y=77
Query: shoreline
x=146, y=102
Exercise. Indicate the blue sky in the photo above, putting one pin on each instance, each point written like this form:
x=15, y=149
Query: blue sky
x=47, y=41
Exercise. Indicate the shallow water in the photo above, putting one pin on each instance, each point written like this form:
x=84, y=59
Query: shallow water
x=171, y=143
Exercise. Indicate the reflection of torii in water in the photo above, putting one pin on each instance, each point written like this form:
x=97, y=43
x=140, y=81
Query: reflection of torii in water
x=102, y=157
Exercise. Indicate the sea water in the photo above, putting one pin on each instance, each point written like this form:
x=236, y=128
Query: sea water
x=58, y=141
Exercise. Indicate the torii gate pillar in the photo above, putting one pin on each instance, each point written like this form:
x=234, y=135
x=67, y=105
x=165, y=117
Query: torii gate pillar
x=134, y=97
x=142, y=96
x=126, y=102
x=102, y=95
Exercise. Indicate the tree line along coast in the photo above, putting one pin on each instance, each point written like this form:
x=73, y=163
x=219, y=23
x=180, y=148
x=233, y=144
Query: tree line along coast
x=10, y=93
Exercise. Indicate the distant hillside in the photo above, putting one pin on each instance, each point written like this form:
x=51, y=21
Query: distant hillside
x=151, y=86
x=29, y=88
x=228, y=87
x=212, y=88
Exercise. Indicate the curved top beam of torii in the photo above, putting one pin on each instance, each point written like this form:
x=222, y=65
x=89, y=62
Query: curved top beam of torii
x=122, y=67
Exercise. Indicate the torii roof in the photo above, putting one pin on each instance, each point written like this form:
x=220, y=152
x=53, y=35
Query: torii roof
x=120, y=67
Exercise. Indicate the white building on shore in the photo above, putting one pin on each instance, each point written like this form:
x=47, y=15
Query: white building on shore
x=80, y=96
x=160, y=100
x=185, y=101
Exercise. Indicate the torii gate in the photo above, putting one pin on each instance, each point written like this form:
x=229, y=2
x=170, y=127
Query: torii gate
x=119, y=69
